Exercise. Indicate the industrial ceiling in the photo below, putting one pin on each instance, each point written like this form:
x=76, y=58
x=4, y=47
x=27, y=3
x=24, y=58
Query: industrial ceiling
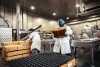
x=62, y=8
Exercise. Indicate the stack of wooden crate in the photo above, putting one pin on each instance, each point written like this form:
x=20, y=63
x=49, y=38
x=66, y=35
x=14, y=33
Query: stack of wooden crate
x=15, y=49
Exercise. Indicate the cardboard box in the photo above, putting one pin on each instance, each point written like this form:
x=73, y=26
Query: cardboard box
x=74, y=62
x=13, y=57
x=7, y=43
x=15, y=42
x=65, y=65
x=28, y=54
x=47, y=31
x=29, y=42
x=71, y=63
x=2, y=52
x=13, y=53
x=59, y=32
x=10, y=48
x=18, y=56
x=21, y=47
x=26, y=51
x=8, y=58
x=22, y=43
x=28, y=46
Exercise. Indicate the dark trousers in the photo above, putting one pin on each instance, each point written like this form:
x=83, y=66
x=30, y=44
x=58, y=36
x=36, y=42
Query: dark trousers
x=34, y=51
x=69, y=54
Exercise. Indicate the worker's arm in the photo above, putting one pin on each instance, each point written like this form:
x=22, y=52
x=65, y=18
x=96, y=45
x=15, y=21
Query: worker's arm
x=68, y=31
x=31, y=36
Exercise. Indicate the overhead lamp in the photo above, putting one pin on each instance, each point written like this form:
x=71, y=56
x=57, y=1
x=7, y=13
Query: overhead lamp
x=52, y=22
x=32, y=7
x=77, y=5
x=67, y=18
x=54, y=14
x=39, y=20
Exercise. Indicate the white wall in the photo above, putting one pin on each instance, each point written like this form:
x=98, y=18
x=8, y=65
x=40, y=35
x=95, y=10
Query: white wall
x=30, y=20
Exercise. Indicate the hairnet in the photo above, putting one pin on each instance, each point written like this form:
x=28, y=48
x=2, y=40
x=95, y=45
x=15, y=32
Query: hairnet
x=61, y=22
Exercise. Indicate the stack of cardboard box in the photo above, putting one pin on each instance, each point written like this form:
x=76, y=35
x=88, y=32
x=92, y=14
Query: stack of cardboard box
x=15, y=49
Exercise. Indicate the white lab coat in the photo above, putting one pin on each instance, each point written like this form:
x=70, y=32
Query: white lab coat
x=63, y=43
x=36, y=40
x=85, y=35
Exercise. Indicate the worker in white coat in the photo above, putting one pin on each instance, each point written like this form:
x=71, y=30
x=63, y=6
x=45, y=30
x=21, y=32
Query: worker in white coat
x=36, y=42
x=84, y=35
x=63, y=43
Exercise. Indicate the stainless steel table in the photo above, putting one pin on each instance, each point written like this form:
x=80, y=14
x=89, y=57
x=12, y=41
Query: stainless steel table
x=47, y=41
x=90, y=43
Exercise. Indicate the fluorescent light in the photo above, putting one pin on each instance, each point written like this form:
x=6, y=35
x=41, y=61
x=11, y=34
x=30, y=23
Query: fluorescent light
x=92, y=19
x=54, y=14
x=77, y=5
x=32, y=7
x=74, y=22
x=97, y=18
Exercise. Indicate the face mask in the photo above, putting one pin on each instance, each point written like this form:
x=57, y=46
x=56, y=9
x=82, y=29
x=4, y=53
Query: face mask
x=61, y=24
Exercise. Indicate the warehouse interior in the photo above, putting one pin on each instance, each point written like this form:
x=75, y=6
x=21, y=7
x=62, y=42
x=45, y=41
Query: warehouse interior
x=20, y=18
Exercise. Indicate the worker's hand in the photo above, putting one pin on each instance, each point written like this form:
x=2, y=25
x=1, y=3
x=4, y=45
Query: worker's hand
x=27, y=39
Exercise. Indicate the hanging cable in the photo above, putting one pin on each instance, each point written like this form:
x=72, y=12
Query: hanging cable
x=12, y=13
x=0, y=7
x=61, y=8
x=77, y=8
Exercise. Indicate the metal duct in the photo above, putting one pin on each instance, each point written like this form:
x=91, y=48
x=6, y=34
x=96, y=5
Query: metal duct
x=85, y=12
x=91, y=11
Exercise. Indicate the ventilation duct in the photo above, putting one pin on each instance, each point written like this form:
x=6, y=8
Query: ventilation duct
x=85, y=12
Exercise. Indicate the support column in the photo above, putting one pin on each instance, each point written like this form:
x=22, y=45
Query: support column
x=18, y=18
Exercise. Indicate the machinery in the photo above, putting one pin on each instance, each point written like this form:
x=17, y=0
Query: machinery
x=46, y=38
x=25, y=34
x=91, y=43
x=5, y=30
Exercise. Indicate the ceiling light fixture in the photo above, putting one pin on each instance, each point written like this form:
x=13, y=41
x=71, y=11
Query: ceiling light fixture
x=39, y=20
x=77, y=5
x=54, y=14
x=32, y=7
x=67, y=18
x=52, y=22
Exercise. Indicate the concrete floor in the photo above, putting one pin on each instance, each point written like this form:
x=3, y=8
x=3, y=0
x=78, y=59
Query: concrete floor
x=1, y=65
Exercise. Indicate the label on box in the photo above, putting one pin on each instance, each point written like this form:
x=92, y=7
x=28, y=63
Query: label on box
x=70, y=64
